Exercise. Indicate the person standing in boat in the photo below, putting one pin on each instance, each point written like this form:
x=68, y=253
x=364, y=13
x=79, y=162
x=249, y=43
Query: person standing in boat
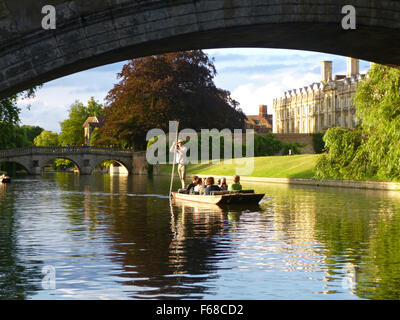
x=179, y=151
x=210, y=186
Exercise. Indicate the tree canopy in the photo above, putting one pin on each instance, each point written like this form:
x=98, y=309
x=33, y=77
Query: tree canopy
x=47, y=139
x=157, y=89
x=72, y=132
x=371, y=150
x=11, y=134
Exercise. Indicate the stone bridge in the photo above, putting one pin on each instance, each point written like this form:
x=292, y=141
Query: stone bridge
x=94, y=33
x=33, y=159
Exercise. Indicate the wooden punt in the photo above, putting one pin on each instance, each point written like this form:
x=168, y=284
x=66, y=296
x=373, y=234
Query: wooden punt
x=221, y=199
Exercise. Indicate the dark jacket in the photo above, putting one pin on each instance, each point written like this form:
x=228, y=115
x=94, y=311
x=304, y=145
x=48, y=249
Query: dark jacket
x=209, y=189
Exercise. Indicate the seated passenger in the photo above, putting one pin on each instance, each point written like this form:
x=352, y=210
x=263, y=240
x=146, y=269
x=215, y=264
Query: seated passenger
x=222, y=184
x=199, y=187
x=210, y=186
x=235, y=186
x=193, y=183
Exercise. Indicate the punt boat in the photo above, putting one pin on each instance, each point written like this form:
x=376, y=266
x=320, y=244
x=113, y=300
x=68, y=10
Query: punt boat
x=222, y=197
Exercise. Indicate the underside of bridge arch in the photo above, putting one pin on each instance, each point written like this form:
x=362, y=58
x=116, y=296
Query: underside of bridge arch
x=45, y=162
x=94, y=33
x=21, y=164
x=114, y=169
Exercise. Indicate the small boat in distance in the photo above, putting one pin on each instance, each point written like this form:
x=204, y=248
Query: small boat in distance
x=222, y=197
x=5, y=179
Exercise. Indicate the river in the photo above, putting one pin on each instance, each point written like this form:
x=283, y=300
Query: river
x=64, y=236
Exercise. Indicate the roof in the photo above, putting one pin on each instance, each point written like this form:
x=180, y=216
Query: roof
x=255, y=120
x=95, y=121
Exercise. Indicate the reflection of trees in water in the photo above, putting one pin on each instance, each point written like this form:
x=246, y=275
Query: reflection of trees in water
x=158, y=259
x=17, y=280
x=165, y=255
x=169, y=259
x=345, y=227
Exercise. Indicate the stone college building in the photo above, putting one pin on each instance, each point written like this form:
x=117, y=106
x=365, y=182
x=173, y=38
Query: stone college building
x=321, y=105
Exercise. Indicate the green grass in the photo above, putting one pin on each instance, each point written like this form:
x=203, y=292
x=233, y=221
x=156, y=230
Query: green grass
x=296, y=166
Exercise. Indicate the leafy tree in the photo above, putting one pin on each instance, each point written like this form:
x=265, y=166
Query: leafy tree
x=9, y=111
x=371, y=150
x=294, y=147
x=266, y=145
x=32, y=132
x=318, y=142
x=341, y=161
x=378, y=105
x=156, y=89
x=72, y=132
x=47, y=139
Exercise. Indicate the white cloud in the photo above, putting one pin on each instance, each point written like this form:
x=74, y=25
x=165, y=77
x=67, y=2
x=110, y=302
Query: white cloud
x=263, y=88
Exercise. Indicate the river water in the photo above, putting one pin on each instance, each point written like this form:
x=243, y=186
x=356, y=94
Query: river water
x=64, y=236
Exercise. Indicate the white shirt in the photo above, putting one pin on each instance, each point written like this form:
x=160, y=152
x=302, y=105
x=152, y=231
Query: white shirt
x=180, y=154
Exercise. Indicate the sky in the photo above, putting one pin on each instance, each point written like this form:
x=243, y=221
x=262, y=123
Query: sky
x=253, y=76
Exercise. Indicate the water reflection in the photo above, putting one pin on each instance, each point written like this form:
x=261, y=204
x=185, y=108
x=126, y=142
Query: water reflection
x=118, y=237
x=19, y=272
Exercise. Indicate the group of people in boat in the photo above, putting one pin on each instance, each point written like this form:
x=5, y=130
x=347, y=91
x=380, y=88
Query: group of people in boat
x=207, y=185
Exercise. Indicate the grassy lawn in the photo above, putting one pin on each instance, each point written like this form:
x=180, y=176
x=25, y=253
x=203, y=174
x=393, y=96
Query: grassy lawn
x=296, y=166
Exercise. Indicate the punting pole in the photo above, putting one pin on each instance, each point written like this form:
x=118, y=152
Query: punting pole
x=173, y=161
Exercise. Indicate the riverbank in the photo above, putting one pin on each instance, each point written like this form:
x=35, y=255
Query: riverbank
x=296, y=170
x=296, y=166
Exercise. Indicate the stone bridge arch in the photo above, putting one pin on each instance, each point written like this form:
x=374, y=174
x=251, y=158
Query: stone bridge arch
x=85, y=158
x=22, y=163
x=45, y=160
x=94, y=33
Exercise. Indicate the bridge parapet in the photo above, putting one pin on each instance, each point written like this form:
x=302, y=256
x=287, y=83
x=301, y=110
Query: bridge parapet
x=65, y=150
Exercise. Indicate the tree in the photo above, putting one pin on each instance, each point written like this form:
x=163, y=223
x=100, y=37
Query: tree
x=266, y=145
x=156, y=89
x=9, y=111
x=371, y=150
x=72, y=132
x=47, y=139
x=32, y=132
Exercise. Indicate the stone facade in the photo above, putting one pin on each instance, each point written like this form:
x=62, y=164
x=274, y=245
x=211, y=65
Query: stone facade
x=262, y=122
x=320, y=105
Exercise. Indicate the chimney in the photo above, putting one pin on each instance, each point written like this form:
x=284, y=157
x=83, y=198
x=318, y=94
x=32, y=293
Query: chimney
x=326, y=71
x=263, y=111
x=353, y=67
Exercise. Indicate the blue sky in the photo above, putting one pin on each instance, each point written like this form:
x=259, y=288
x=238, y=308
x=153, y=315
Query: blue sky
x=253, y=76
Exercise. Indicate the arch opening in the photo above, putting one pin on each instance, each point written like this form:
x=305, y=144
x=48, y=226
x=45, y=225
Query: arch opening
x=65, y=165
x=13, y=168
x=111, y=167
